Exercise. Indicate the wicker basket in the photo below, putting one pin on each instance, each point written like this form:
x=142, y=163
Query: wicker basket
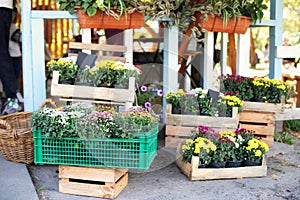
x=16, y=140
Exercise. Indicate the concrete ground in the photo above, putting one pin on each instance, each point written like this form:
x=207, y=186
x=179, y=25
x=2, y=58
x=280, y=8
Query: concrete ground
x=165, y=181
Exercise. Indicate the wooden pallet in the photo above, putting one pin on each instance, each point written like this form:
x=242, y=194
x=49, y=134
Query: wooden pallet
x=262, y=123
x=179, y=127
x=192, y=171
x=80, y=92
x=92, y=181
x=260, y=118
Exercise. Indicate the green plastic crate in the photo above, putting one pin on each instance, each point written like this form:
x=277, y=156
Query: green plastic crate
x=133, y=153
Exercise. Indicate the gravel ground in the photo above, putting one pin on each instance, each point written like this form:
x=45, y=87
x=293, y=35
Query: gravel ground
x=165, y=181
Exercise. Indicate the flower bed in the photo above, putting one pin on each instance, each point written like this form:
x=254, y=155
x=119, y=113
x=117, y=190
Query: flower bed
x=136, y=152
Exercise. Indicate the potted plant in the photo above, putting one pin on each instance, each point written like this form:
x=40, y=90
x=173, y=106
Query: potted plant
x=278, y=89
x=66, y=67
x=206, y=105
x=237, y=85
x=260, y=89
x=228, y=102
x=200, y=147
x=84, y=77
x=123, y=71
x=173, y=98
x=110, y=73
x=117, y=14
x=189, y=104
x=254, y=152
x=203, y=14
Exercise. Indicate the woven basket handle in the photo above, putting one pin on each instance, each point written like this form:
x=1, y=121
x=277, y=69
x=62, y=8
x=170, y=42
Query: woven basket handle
x=49, y=101
x=4, y=124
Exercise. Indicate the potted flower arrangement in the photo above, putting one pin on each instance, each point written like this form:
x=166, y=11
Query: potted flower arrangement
x=277, y=89
x=229, y=102
x=254, y=152
x=174, y=99
x=223, y=148
x=199, y=12
x=66, y=67
x=109, y=73
x=116, y=14
x=200, y=147
x=94, y=136
x=206, y=104
x=237, y=85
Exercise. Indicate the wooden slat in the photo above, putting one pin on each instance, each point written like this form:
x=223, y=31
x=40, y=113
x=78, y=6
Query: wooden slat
x=194, y=173
x=262, y=107
x=257, y=117
x=198, y=120
x=259, y=130
x=91, y=173
x=102, y=191
x=97, y=47
x=115, y=58
x=288, y=114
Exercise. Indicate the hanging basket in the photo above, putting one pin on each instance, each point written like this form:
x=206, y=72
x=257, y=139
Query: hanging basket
x=102, y=20
x=16, y=140
x=216, y=24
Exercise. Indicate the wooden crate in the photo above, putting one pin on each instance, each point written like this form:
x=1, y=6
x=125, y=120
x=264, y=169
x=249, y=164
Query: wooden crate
x=179, y=127
x=260, y=118
x=92, y=181
x=193, y=173
x=82, y=93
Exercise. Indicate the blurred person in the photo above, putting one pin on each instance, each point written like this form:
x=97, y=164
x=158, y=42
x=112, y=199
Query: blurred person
x=15, y=44
x=7, y=75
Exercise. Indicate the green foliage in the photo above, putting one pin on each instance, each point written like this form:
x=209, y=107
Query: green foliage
x=284, y=137
x=91, y=6
x=254, y=9
x=293, y=125
x=84, y=76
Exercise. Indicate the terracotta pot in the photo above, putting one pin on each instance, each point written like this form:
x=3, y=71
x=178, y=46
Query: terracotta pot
x=216, y=24
x=102, y=20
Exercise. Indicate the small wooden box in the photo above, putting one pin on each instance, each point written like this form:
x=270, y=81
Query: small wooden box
x=193, y=173
x=82, y=93
x=92, y=181
x=179, y=127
